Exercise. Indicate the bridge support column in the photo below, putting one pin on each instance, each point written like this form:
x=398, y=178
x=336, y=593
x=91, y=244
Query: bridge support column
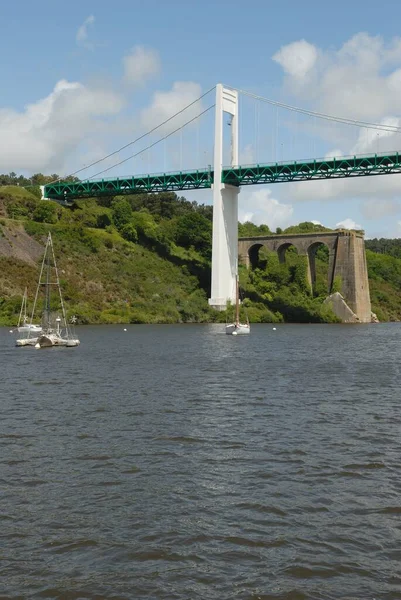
x=225, y=206
x=350, y=266
x=224, y=245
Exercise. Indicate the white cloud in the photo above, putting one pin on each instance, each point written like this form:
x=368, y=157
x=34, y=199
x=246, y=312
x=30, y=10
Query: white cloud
x=348, y=224
x=166, y=104
x=140, y=65
x=315, y=222
x=47, y=132
x=82, y=34
x=360, y=80
x=353, y=81
x=374, y=140
x=262, y=208
x=297, y=59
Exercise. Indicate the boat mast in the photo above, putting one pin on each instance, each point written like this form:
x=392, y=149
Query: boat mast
x=47, y=291
x=236, y=300
x=23, y=309
x=58, y=287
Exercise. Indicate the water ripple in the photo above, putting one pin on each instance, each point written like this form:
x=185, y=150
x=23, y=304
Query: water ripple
x=170, y=462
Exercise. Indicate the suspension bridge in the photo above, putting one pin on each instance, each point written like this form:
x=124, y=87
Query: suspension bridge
x=226, y=180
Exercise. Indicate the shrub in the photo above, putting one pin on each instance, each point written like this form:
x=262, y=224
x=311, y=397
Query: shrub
x=129, y=233
x=46, y=212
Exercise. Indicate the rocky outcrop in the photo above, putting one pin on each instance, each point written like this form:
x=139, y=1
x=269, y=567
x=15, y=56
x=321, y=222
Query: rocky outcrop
x=16, y=243
x=341, y=309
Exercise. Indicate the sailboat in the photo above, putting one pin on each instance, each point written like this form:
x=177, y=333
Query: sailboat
x=54, y=331
x=237, y=328
x=23, y=325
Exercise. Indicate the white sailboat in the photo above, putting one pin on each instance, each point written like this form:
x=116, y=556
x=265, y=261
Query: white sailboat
x=54, y=330
x=237, y=328
x=23, y=325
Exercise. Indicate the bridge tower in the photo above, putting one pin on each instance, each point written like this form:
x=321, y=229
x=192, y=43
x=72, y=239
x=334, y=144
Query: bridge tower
x=225, y=205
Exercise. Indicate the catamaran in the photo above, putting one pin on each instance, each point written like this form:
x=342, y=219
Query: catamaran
x=23, y=325
x=237, y=328
x=54, y=329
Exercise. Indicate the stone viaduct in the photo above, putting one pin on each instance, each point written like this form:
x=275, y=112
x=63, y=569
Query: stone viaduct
x=347, y=259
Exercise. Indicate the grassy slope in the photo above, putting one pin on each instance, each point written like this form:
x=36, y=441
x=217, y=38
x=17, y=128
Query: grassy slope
x=106, y=279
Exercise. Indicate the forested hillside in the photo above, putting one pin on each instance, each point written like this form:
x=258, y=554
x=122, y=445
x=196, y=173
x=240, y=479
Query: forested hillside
x=146, y=259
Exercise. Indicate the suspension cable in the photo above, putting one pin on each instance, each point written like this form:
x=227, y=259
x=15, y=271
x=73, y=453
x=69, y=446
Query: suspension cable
x=356, y=123
x=151, y=145
x=96, y=162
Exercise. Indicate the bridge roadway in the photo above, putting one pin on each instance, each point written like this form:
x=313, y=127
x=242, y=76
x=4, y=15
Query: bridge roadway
x=333, y=168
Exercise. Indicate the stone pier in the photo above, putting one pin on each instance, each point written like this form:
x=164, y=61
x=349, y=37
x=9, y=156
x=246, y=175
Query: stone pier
x=347, y=260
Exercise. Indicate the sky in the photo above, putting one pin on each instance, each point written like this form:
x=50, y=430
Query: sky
x=82, y=79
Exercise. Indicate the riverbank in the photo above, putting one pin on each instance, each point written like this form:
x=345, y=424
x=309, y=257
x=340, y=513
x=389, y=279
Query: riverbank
x=146, y=259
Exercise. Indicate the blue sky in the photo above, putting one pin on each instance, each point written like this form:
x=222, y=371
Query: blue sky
x=83, y=78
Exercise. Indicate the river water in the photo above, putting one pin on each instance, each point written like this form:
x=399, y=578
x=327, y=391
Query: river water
x=177, y=462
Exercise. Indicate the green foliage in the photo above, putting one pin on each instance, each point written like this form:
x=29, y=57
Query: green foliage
x=146, y=259
x=129, y=233
x=306, y=227
x=384, y=273
x=193, y=229
x=392, y=247
x=89, y=214
x=17, y=202
x=167, y=205
x=284, y=290
x=249, y=229
x=46, y=212
x=35, y=191
x=337, y=284
x=122, y=212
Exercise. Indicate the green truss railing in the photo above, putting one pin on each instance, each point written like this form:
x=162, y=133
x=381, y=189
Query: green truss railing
x=308, y=170
x=333, y=168
x=163, y=182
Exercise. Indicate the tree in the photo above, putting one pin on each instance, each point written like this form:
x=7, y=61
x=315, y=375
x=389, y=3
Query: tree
x=129, y=233
x=195, y=230
x=46, y=212
x=249, y=229
x=122, y=212
x=306, y=227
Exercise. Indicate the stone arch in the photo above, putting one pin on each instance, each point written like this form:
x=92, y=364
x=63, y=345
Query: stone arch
x=282, y=249
x=312, y=273
x=253, y=255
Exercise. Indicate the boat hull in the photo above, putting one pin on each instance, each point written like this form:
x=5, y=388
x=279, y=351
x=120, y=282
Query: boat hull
x=50, y=340
x=237, y=329
x=26, y=342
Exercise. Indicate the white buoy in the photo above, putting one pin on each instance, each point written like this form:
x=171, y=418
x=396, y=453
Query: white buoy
x=235, y=333
x=274, y=329
x=37, y=346
x=11, y=330
x=125, y=329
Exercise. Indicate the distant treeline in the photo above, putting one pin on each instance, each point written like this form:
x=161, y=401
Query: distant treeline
x=36, y=179
x=392, y=247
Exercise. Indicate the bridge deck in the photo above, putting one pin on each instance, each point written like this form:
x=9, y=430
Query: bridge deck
x=333, y=168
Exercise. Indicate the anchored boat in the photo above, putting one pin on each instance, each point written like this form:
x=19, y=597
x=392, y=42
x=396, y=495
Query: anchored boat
x=23, y=325
x=55, y=330
x=238, y=328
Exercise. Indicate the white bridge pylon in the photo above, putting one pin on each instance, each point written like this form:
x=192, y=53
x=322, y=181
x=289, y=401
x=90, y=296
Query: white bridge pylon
x=225, y=206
